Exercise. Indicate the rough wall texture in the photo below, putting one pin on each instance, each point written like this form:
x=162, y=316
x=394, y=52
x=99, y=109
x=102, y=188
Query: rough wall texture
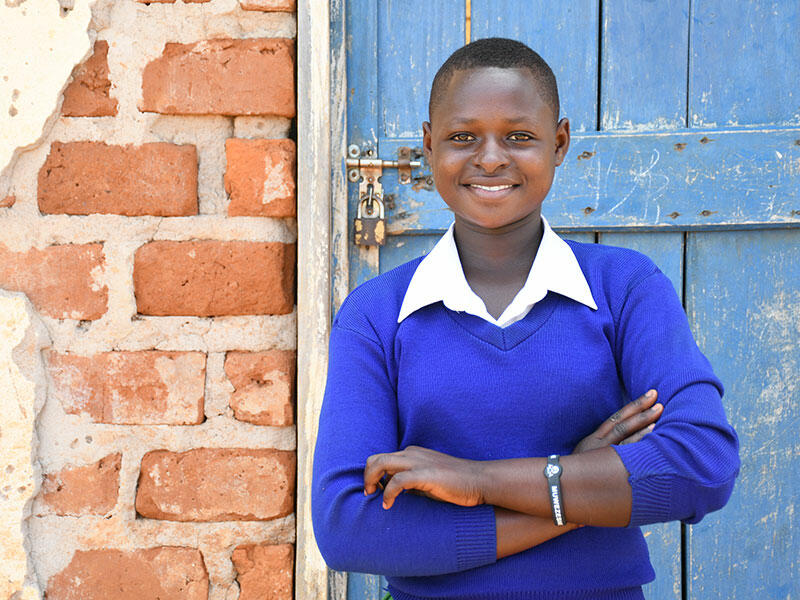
x=148, y=447
x=38, y=33
x=22, y=336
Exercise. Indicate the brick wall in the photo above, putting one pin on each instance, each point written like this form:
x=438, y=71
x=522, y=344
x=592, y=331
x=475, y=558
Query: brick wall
x=154, y=232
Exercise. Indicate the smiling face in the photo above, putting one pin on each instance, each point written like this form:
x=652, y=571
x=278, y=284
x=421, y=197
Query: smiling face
x=494, y=144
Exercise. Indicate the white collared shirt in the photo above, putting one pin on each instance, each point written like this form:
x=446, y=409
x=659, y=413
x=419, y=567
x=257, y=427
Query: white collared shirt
x=440, y=278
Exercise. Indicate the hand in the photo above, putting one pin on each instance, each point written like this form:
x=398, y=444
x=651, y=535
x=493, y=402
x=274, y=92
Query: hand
x=434, y=474
x=629, y=424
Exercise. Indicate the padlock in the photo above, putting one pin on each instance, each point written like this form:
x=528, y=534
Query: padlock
x=370, y=223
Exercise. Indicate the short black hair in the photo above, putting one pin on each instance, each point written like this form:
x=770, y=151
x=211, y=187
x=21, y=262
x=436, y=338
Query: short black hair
x=496, y=52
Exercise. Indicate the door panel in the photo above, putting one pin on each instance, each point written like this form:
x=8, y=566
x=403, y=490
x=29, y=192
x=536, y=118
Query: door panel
x=644, y=62
x=745, y=63
x=686, y=123
x=743, y=301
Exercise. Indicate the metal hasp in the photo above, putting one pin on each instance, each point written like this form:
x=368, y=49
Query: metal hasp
x=370, y=222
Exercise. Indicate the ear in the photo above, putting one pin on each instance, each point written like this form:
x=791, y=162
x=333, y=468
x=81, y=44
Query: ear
x=426, y=140
x=562, y=140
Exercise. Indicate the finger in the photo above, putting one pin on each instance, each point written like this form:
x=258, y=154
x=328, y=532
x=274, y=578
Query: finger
x=379, y=465
x=636, y=406
x=398, y=483
x=638, y=435
x=634, y=424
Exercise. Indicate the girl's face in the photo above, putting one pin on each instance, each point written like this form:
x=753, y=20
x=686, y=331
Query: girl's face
x=494, y=144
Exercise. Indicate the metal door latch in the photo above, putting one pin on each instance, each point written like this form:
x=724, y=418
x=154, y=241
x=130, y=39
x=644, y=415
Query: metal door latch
x=370, y=221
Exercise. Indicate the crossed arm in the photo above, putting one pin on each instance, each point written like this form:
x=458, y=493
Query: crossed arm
x=594, y=483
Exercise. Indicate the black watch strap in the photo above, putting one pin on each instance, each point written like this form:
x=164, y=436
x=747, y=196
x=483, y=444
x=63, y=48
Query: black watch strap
x=552, y=471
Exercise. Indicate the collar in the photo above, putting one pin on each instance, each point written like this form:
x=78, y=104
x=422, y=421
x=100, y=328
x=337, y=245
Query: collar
x=440, y=278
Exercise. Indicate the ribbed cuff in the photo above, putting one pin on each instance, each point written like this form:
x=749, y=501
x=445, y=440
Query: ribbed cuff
x=476, y=536
x=651, y=483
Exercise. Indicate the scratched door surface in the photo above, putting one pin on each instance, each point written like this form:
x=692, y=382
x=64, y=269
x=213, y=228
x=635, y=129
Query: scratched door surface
x=686, y=146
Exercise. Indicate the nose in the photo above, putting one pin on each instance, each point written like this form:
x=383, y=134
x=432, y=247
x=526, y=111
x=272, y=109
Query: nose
x=491, y=155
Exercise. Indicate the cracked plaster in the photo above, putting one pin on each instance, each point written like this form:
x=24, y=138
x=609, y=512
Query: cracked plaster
x=22, y=393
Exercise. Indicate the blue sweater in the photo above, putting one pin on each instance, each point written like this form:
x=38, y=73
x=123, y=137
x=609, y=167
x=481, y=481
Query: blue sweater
x=455, y=383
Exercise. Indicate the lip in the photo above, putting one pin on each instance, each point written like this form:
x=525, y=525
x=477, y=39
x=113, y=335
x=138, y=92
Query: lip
x=489, y=182
x=486, y=189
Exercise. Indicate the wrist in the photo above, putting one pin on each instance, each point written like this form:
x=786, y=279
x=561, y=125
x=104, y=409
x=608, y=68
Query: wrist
x=486, y=481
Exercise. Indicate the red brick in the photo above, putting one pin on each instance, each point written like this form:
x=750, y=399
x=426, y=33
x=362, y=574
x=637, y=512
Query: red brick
x=222, y=77
x=216, y=484
x=147, y=387
x=260, y=177
x=213, y=278
x=80, y=178
x=58, y=279
x=88, y=94
x=166, y=573
x=269, y=5
x=264, y=571
x=263, y=385
x=8, y=201
x=86, y=490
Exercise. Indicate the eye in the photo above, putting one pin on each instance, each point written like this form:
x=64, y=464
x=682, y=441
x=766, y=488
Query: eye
x=520, y=136
x=462, y=137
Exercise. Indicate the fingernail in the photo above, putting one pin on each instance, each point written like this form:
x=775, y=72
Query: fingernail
x=365, y=492
x=385, y=506
x=656, y=407
x=651, y=427
x=650, y=394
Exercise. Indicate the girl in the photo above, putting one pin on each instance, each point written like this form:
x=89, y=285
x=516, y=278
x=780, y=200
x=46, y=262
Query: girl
x=481, y=377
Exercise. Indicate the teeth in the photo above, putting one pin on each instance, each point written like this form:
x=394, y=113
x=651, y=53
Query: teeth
x=491, y=188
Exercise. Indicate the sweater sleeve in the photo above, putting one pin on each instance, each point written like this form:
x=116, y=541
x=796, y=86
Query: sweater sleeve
x=686, y=467
x=417, y=536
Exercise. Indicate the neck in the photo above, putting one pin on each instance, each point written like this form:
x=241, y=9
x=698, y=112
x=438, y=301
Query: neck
x=502, y=255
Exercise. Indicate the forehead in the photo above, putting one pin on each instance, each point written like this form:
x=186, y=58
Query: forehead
x=506, y=92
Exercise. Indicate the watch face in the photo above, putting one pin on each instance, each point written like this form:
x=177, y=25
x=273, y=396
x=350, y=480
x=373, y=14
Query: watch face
x=552, y=470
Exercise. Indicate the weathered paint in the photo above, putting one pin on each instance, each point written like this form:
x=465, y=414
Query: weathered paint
x=644, y=50
x=743, y=301
x=438, y=31
x=313, y=273
x=745, y=63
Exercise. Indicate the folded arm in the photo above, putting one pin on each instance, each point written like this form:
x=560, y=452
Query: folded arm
x=685, y=469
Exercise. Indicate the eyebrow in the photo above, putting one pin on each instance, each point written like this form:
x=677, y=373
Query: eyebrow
x=523, y=119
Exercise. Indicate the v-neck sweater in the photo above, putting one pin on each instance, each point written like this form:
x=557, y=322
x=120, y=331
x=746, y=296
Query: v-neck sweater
x=458, y=384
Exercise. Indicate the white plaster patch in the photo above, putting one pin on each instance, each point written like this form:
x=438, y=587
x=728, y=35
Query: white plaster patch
x=257, y=128
x=184, y=389
x=276, y=183
x=218, y=387
x=41, y=45
x=22, y=337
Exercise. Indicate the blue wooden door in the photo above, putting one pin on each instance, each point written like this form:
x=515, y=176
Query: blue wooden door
x=686, y=146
